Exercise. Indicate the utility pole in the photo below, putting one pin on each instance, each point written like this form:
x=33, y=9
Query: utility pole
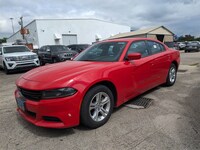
x=22, y=27
x=11, y=19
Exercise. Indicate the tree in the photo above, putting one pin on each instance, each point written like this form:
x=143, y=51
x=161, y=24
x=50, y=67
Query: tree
x=188, y=38
x=3, y=40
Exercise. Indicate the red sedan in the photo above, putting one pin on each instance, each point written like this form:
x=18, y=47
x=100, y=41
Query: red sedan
x=100, y=78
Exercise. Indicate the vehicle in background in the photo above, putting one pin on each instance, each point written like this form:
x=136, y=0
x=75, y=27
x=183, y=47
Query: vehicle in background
x=181, y=45
x=102, y=77
x=17, y=57
x=55, y=53
x=192, y=46
x=78, y=47
x=172, y=45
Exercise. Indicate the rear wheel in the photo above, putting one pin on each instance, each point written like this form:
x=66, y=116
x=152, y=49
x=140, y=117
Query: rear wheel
x=172, y=73
x=97, y=106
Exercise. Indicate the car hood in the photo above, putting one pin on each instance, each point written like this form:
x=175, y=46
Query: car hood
x=64, y=71
x=19, y=54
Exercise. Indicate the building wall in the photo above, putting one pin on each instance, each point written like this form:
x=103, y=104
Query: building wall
x=152, y=36
x=160, y=30
x=86, y=30
x=168, y=38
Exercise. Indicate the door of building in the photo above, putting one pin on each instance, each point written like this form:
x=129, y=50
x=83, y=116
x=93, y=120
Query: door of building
x=69, y=39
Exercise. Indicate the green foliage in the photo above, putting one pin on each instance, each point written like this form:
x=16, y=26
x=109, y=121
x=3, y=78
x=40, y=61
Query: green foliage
x=188, y=38
x=3, y=40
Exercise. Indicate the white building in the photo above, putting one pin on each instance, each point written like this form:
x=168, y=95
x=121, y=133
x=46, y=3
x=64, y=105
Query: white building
x=68, y=31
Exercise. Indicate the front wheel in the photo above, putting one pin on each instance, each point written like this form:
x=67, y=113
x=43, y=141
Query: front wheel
x=172, y=73
x=5, y=68
x=97, y=106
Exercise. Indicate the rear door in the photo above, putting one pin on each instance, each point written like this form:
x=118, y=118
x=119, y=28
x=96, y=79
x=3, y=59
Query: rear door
x=160, y=62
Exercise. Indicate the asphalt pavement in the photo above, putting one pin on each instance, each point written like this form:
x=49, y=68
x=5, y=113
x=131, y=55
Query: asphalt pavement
x=171, y=122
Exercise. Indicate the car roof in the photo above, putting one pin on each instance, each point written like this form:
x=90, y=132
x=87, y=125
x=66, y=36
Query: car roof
x=130, y=40
x=13, y=46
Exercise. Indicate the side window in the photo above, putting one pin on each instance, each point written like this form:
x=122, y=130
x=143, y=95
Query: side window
x=73, y=47
x=138, y=47
x=0, y=50
x=41, y=49
x=155, y=47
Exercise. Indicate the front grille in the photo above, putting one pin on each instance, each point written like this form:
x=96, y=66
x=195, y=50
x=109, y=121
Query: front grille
x=31, y=94
x=26, y=57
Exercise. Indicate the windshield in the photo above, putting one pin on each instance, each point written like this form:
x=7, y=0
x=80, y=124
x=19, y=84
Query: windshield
x=107, y=51
x=15, y=49
x=192, y=43
x=58, y=48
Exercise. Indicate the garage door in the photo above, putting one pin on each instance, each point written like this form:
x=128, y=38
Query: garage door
x=69, y=39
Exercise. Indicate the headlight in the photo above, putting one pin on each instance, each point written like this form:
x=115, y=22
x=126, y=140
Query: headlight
x=11, y=58
x=63, y=92
x=34, y=56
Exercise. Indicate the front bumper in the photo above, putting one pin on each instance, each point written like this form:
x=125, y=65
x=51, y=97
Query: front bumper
x=53, y=113
x=13, y=65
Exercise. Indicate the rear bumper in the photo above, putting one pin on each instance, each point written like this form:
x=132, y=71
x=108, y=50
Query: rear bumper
x=54, y=113
x=192, y=49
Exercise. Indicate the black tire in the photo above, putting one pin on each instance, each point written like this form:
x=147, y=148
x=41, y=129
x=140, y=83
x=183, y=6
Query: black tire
x=86, y=114
x=170, y=81
x=42, y=63
x=54, y=60
x=5, y=68
x=186, y=51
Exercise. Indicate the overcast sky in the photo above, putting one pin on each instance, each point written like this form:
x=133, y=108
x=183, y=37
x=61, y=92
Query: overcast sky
x=180, y=16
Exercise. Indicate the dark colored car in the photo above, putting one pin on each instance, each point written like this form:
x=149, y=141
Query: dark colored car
x=54, y=53
x=172, y=45
x=192, y=46
x=78, y=47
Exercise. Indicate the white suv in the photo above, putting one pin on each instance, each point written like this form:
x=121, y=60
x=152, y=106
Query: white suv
x=17, y=57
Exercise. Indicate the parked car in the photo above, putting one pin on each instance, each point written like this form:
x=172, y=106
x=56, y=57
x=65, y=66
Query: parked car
x=78, y=47
x=102, y=77
x=181, y=45
x=192, y=46
x=55, y=53
x=172, y=45
x=17, y=57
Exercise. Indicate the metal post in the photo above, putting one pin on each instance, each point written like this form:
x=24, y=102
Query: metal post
x=21, y=23
x=11, y=19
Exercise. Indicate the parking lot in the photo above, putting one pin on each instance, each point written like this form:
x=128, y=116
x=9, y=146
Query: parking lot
x=171, y=122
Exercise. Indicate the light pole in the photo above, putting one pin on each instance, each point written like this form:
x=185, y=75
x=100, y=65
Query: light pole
x=11, y=19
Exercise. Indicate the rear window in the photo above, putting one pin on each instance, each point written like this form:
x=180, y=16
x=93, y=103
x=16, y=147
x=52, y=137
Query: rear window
x=15, y=49
x=58, y=48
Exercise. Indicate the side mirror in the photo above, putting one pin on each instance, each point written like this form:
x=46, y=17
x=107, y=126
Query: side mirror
x=134, y=56
x=0, y=52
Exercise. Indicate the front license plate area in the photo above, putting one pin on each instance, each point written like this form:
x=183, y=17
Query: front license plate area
x=21, y=103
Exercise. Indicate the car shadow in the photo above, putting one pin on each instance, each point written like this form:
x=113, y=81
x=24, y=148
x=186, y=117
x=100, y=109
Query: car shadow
x=116, y=109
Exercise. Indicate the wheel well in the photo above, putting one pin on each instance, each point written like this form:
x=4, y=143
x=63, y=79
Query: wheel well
x=111, y=86
x=176, y=64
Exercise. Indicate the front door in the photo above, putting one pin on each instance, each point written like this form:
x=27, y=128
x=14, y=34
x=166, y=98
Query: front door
x=140, y=70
